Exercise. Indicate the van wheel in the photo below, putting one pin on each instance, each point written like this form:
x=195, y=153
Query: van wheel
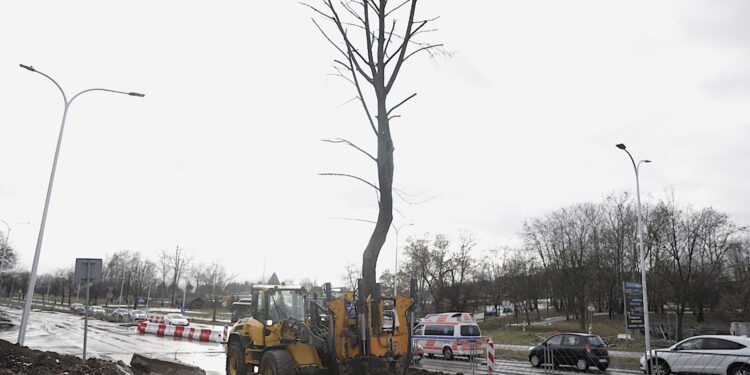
x=447, y=353
x=277, y=362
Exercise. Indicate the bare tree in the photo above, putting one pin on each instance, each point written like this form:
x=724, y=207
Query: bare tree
x=372, y=53
x=142, y=274
x=216, y=278
x=351, y=273
x=164, y=267
x=178, y=262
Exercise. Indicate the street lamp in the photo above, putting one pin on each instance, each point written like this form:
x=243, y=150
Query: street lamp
x=395, y=273
x=636, y=167
x=5, y=245
x=35, y=264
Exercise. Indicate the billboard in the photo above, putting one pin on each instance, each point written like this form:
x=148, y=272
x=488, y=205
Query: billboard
x=633, y=304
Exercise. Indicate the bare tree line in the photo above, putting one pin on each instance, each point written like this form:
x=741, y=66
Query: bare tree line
x=578, y=257
x=130, y=278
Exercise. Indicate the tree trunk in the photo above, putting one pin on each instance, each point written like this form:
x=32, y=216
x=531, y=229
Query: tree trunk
x=385, y=185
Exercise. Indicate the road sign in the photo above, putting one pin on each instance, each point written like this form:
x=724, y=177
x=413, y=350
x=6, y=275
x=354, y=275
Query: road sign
x=140, y=300
x=633, y=304
x=88, y=270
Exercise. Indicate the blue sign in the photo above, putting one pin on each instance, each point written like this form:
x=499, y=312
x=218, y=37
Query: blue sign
x=633, y=304
x=140, y=300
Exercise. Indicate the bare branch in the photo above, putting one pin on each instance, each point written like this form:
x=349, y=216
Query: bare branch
x=361, y=97
x=350, y=47
x=397, y=7
x=392, y=117
x=341, y=140
x=403, y=196
x=350, y=176
x=316, y=10
x=425, y=48
x=402, y=102
x=354, y=219
x=328, y=38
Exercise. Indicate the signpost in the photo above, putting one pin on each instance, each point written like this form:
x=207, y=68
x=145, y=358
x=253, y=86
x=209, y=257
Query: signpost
x=87, y=271
x=633, y=305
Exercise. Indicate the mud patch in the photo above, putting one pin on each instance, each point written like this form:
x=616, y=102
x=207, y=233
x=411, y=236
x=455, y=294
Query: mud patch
x=15, y=359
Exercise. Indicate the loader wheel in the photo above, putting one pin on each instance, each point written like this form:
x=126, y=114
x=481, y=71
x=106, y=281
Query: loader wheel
x=235, y=360
x=277, y=362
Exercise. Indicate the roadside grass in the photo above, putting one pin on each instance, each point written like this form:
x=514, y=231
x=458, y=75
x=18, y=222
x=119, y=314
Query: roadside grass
x=505, y=330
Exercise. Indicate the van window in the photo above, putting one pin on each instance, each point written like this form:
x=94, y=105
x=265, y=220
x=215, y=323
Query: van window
x=438, y=330
x=418, y=330
x=470, y=330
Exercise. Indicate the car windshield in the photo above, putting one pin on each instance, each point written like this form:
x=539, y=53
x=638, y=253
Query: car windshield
x=177, y=316
x=470, y=330
x=286, y=304
x=137, y=312
x=596, y=342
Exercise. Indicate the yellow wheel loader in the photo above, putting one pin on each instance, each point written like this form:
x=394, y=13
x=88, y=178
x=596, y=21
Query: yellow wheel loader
x=289, y=334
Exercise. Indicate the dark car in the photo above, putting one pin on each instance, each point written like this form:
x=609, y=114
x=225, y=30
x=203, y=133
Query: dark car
x=571, y=349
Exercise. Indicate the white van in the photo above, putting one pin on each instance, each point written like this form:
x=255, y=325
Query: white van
x=449, y=334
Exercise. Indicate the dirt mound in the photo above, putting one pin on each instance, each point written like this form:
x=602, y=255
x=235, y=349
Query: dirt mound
x=22, y=360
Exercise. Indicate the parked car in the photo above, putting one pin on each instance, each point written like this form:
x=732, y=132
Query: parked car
x=571, y=349
x=97, y=311
x=121, y=314
x=137, y=315
x=175, y=320
x=78, y=308
x=714, y=354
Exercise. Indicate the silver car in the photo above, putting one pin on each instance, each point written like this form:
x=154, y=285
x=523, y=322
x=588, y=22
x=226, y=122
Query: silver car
x=137, y=315
x=176, y=320
x=97, y=311
x=716, y=354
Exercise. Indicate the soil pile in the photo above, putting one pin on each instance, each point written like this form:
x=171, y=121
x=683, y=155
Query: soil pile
x=15, y=359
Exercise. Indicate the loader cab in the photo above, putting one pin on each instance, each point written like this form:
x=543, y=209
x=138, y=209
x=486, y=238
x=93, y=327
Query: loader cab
x=275, y=303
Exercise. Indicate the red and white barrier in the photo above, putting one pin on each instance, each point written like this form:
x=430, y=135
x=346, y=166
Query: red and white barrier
x=490, y=355
x=188, y=332
x=156, y=319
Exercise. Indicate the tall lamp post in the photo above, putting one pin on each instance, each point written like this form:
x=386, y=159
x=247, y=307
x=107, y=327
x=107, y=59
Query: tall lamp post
x=642, y=254
x=5, y=245
x=395, y=273
x=35, y=264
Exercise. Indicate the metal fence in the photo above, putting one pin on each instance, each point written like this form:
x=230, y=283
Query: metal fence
x=703, y=361
x=567, y=359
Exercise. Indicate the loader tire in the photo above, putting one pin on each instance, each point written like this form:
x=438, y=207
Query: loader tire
x=277, y=362
x=236, y=360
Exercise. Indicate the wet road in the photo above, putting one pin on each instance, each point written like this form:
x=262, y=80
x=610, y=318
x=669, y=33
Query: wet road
x=63, y=333
x=505, y=367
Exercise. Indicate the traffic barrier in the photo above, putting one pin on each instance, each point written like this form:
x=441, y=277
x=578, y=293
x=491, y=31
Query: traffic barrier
x=490, y=355
x=192, y=333
x=156, y=319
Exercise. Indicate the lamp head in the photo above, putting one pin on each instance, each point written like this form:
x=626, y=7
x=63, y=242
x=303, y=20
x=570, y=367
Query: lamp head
x=136, y=94
x=620, y=146
x=28, y=67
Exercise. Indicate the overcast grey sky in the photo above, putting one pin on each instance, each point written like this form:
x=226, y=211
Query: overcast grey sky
x=222, y=155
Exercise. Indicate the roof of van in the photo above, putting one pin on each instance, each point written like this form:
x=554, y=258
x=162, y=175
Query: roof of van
x=449, y=317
